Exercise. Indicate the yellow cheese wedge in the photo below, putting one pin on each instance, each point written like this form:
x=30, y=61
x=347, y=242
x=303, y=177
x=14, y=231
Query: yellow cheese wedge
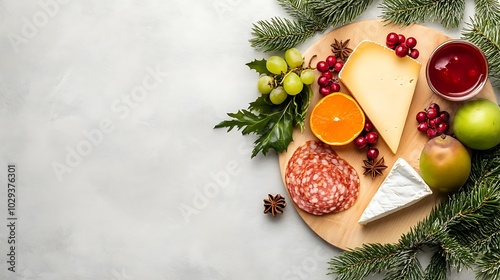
x=383, y=84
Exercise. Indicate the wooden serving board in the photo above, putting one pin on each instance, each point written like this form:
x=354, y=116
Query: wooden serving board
x=342, y=229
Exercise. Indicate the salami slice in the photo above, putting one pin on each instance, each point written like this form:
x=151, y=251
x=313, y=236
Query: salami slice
x=319, y=181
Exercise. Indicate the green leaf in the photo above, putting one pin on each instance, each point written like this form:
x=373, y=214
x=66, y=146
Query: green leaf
x=259, y=66
x=274, y=124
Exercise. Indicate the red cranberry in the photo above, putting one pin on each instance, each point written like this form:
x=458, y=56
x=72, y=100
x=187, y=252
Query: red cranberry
x=414, y=53
x=360, y=142
x=323, y=81
x=392, y=39
x=371, y=137
x=372, y=153
x=422, y=127
x=432, y=113
x=338, y=66
x=431, y=133
x=331, y=60
x=445, y=116
x=322, y=66
x=411, y=42
x=442, y=128
x=434, y=106
x=401, y=50
x=369, y=126
x=325, y=90
x=335, y=87
x=421, y=117
x=327, y=74
x=401, y=39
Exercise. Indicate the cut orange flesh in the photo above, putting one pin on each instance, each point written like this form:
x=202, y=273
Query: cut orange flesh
x=337, y=119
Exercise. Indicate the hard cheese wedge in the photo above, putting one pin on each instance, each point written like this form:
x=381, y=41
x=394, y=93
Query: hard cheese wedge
x=402, y=187
x=383, y=84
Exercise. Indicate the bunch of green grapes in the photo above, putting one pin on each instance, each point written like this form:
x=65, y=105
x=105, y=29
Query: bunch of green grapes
x=288, y=76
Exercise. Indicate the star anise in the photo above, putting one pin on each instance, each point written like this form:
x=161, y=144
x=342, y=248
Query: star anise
x=274, y=204
x=341, y=50
x=374, y=168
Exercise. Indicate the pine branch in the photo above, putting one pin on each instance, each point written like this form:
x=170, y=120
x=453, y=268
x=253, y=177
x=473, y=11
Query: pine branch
x=448, y=13
x=336, y=13
x=300, y=10
x=278, y=34
x=483, y=31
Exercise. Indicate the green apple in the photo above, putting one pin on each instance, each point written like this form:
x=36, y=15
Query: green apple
x=445, y=164
x=477, y=124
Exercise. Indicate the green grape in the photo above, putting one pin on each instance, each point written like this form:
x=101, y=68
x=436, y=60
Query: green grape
x=292, y=84
x=276, y=65
x=265, y=84
x=278, y=95
x=307, y=76
x=294, y=58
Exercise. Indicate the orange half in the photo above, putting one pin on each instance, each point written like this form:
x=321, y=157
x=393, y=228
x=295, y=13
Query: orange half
x=337, y=119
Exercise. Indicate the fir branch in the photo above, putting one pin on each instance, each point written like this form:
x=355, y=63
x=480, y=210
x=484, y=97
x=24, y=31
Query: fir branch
x=448, y=13
x=364, y=261
x=335, y=13
x=301, y=11
x=488, y=266
x=278, y=34
x=488, y=9
x=483, y=32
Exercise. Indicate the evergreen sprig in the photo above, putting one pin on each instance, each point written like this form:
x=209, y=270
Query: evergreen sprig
x=279, y=34
x=483, y=31
x=462, y=232
x=448, y=13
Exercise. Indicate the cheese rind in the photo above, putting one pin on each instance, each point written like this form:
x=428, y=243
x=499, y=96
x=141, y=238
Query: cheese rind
x=402, y=187
x=383, y=84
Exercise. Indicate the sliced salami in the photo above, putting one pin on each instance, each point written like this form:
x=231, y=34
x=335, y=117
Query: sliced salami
x=319, y=181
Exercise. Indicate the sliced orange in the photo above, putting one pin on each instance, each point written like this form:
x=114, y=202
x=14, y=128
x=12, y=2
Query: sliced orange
x=337, y=119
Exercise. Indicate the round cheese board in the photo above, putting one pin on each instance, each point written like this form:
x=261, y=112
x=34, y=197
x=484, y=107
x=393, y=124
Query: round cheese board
x=342, y=229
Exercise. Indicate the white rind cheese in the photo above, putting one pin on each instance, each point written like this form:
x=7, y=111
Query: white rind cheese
x=402, y=187
x=383, y=84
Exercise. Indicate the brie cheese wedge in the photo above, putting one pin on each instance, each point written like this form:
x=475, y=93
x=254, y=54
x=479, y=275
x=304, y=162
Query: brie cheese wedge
x=402, y=187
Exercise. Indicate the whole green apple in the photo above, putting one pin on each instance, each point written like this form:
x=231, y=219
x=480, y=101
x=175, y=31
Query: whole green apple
x=445, y=164
x=477, y=124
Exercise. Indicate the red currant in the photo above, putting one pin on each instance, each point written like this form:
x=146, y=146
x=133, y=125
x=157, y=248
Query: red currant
x=422, y=127
x=432, y=113
x=411, y=42
x=371, y=137
x=401, y=39
x=325, y=90
x=331, y=60
x=323, y=81
x=445, y=116
x=360, y=142
x=401, y=50
x=338, y=66
x=335, y=87
x=421, y=117
x=322, y=66
x=414, y=53
x=442, y=128
x=327, y=74
x=431, y=133
x=392, y=39
x=372, y=153
x=369, y=126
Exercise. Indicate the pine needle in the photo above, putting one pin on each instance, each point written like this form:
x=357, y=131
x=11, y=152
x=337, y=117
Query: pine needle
x=278, y=34
x=483, y=31
x=336, y=13
x=448, y=13
x=301, y=11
